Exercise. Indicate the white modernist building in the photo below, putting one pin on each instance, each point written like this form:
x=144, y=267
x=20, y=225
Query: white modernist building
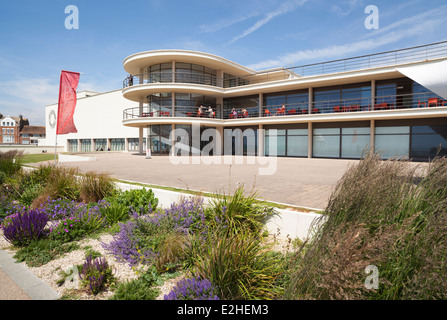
x=394, y=102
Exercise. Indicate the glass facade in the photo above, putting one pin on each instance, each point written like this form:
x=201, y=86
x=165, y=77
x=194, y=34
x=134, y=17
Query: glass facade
x=86, y=145
x=290, y=142
x=393, y=141
x=117, y=144
x=100, y=144
x=159, y=139
x=342, y=142
x=133, y=144
x=296, y=102
x=73, y=145
x=250, y=103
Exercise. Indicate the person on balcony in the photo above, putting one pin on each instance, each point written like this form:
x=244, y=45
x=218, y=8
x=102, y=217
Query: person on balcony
x=233, y=114
x=210, y=112
x=281, y=111
x=130, y=80
x=244, y=113
x=200, y=113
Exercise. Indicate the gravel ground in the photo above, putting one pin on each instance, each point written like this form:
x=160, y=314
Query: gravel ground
x=49, y=273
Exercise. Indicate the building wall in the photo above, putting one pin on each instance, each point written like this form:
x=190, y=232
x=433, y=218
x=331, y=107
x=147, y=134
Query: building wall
x=96, y=117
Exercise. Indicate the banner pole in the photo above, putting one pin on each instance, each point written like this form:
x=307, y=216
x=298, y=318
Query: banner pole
x=55, y=151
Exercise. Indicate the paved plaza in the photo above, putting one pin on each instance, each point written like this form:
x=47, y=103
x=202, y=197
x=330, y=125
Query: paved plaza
x=295, y=181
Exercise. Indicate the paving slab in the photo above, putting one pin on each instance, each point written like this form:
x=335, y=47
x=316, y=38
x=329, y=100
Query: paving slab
x=295, y=181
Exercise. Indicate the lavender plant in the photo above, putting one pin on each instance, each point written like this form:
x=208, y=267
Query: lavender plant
x=25, y=226
x=193, y=289
x=96, y=275
x=126, y=244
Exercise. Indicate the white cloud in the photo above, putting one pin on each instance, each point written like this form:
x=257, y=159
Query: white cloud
x=225, y=23
x=283, y=9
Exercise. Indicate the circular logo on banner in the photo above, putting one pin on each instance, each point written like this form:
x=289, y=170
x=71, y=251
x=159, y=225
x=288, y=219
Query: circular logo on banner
x=52, y=119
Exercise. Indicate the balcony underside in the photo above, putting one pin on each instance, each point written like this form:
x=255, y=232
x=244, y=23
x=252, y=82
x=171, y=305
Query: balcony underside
x=326, y=117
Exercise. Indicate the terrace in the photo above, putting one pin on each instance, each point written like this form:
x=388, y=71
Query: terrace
x=340, y=106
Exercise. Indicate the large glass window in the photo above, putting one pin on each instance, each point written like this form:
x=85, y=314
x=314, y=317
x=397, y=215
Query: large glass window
x=193, y=73
x=393, y=142
x=250, y=103
x=160, y=73
x=73, y=145
x=133, y=144
x=289, y=142
x=428, y=141
x=160, y=142
x=117, y=144
x=295, y=102
x=86, y=145
x=354, y=142
x=101, y=144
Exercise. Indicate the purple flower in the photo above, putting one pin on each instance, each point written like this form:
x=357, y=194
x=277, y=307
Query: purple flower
x=193, y=289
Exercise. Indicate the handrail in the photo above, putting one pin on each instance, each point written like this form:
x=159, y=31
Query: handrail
x=391, y=102
x=375, y=60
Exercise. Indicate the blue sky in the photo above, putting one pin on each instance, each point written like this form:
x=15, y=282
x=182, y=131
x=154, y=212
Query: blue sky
x=35, y=45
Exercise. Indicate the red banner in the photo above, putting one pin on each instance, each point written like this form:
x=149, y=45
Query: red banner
x=67, y=102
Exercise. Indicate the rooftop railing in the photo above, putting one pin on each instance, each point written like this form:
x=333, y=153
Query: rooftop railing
x=391, y=102
x=383, y=59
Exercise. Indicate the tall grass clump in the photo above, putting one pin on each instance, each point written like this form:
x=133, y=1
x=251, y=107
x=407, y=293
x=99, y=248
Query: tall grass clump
x=95, y=187
x=10, y=162
x=239, y=212
x=380, y=213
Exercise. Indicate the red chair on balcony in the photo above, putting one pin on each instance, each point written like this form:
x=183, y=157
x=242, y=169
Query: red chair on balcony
x=434, y=102
x=292, y=112
x=304, y=111
x=189, y=114
x=266, y=112
x=424, y=104
x=381, y=106
x=337, y=109
x=315, y=110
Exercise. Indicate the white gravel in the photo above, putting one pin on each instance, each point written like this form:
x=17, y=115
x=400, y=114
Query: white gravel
x=50, y=272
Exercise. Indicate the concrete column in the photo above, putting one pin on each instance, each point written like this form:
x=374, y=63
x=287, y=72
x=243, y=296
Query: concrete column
x=140, y=140
x=219, y=107
x=261, y=141
x=109, y=144
x=141, y=72
x=220, y=78
x=126, y=144
x=309, y=139
x=373, y=94
x=173, y=103
x=140, y=111
x=311, y=100
x=173, y=71
x=372, y=134
x=261, y=103
x=79, y=145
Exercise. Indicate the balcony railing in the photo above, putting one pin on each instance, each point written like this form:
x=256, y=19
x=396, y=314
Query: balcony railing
x=392, y=102
x=170, y=77
x=383, y=59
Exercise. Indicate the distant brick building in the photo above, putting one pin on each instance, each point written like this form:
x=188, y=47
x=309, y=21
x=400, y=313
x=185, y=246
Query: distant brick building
x=31, y=134
x=16, y=130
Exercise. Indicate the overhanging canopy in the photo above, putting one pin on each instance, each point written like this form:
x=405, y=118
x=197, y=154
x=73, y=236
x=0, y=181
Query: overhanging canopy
x=431, y=75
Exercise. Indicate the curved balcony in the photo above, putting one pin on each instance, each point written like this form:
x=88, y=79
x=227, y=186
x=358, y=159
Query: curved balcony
x=395, y=106
x=172, y=77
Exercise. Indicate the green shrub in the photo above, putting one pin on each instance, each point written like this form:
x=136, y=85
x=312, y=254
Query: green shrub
x=138, y=289
x=141, y=201
x=239, y=264
x=115, y=213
